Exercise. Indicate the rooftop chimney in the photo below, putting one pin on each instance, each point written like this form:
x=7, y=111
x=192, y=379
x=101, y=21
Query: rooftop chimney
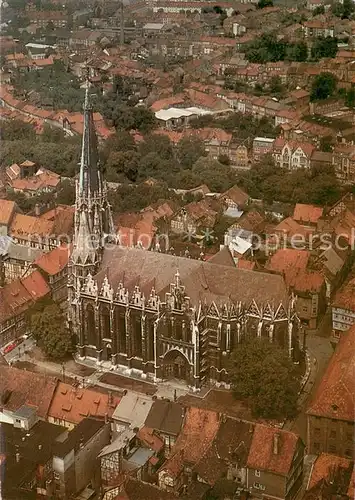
x=276, y=443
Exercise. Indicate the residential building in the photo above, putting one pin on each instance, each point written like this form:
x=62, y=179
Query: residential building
x=308, y=285
x=75, y=457
x=307, y=215
x=343, y=161
x=195, y=218
x=133, y=489
x=330, y=475
x=331, y=414
x=26, y=397
x=343, y=310
x=261, y=146
x=166, y=418
x=16, y=298
x=131, y=453
x=8, y=209
x=316, y=28
x=43, y=18
x=70, y=405
x=27, y=460
x=292, y=154
x=17, y=260
x=54, y=268
x=199, y=430
x=131, y=412
x=235, y=198
x=275, y=463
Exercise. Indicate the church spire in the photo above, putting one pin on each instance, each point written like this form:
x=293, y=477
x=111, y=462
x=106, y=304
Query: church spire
x=93, y=218
x=90, y=180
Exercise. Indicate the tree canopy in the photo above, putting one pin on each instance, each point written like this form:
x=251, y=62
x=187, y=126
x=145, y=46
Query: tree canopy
x=262, y=374
x=49, y=329
x=323, y=86
x=271, y=183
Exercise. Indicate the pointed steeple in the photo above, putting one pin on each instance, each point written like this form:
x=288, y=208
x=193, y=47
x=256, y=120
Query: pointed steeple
x=93, y=218
x=90, y=179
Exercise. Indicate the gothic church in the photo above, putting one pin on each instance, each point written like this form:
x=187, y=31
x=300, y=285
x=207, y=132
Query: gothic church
x=157, y=315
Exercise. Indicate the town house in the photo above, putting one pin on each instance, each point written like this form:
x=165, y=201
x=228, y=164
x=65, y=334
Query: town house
x=331, y=416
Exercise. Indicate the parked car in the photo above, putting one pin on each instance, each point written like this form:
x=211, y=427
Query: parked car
x=9, y=347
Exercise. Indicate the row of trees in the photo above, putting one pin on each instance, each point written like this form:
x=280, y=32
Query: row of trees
x=268, y=49
x=266, y=181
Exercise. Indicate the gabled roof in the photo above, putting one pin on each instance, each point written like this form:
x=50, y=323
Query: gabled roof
x=54, y=261
x=307, y=213
x=335, y=396
x=233, y=439
x=200, y=428
x=7, y=209
x=72, y=404
x=166, y=417
x=262, y=456
x=237, y=195
x=27, y=388
x=202, y=280
x=345, y=297
x=325, y=466
x=17, y=296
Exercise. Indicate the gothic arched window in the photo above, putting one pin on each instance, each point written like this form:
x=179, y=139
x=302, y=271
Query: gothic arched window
x=90, y=325
x=105, y=323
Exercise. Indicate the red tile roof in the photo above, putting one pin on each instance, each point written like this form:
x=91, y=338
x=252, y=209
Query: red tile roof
x=36, y=285
x=345, y=297
x=17, y=296
x=335, y=396
x=237, y=195
x=7, y=208
x=54, y=261
x=200, y=428
x=292, y=264
x=324, y=465
x=150, y=438
x=261, y=453
x=27, y=388
x=25, y=227
x=307, y=213
x=290, y=228
x=73, y=404
x=245, y=264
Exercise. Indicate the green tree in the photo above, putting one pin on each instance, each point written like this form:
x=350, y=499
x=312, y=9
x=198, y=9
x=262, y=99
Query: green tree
x=318, y=10
x=324, y=47
x=49, y=330
x=265, y=3
x=275, y=85
x=124, y=162
x=323, y=86
x=14, y=130
x=66, y=193
x=296, y=52
x=217, y=176
x=326, y=144
x=263, y=374
x=156, y=143
x=189, y=150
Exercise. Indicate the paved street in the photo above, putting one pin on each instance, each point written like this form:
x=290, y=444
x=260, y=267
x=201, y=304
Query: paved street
x=320, y=351
x=19, y=350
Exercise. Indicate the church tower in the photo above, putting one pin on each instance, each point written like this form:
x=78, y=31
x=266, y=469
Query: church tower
x=93, y=218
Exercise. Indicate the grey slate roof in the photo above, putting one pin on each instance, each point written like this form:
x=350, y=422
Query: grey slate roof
x=165, y=416
x=203, y=281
